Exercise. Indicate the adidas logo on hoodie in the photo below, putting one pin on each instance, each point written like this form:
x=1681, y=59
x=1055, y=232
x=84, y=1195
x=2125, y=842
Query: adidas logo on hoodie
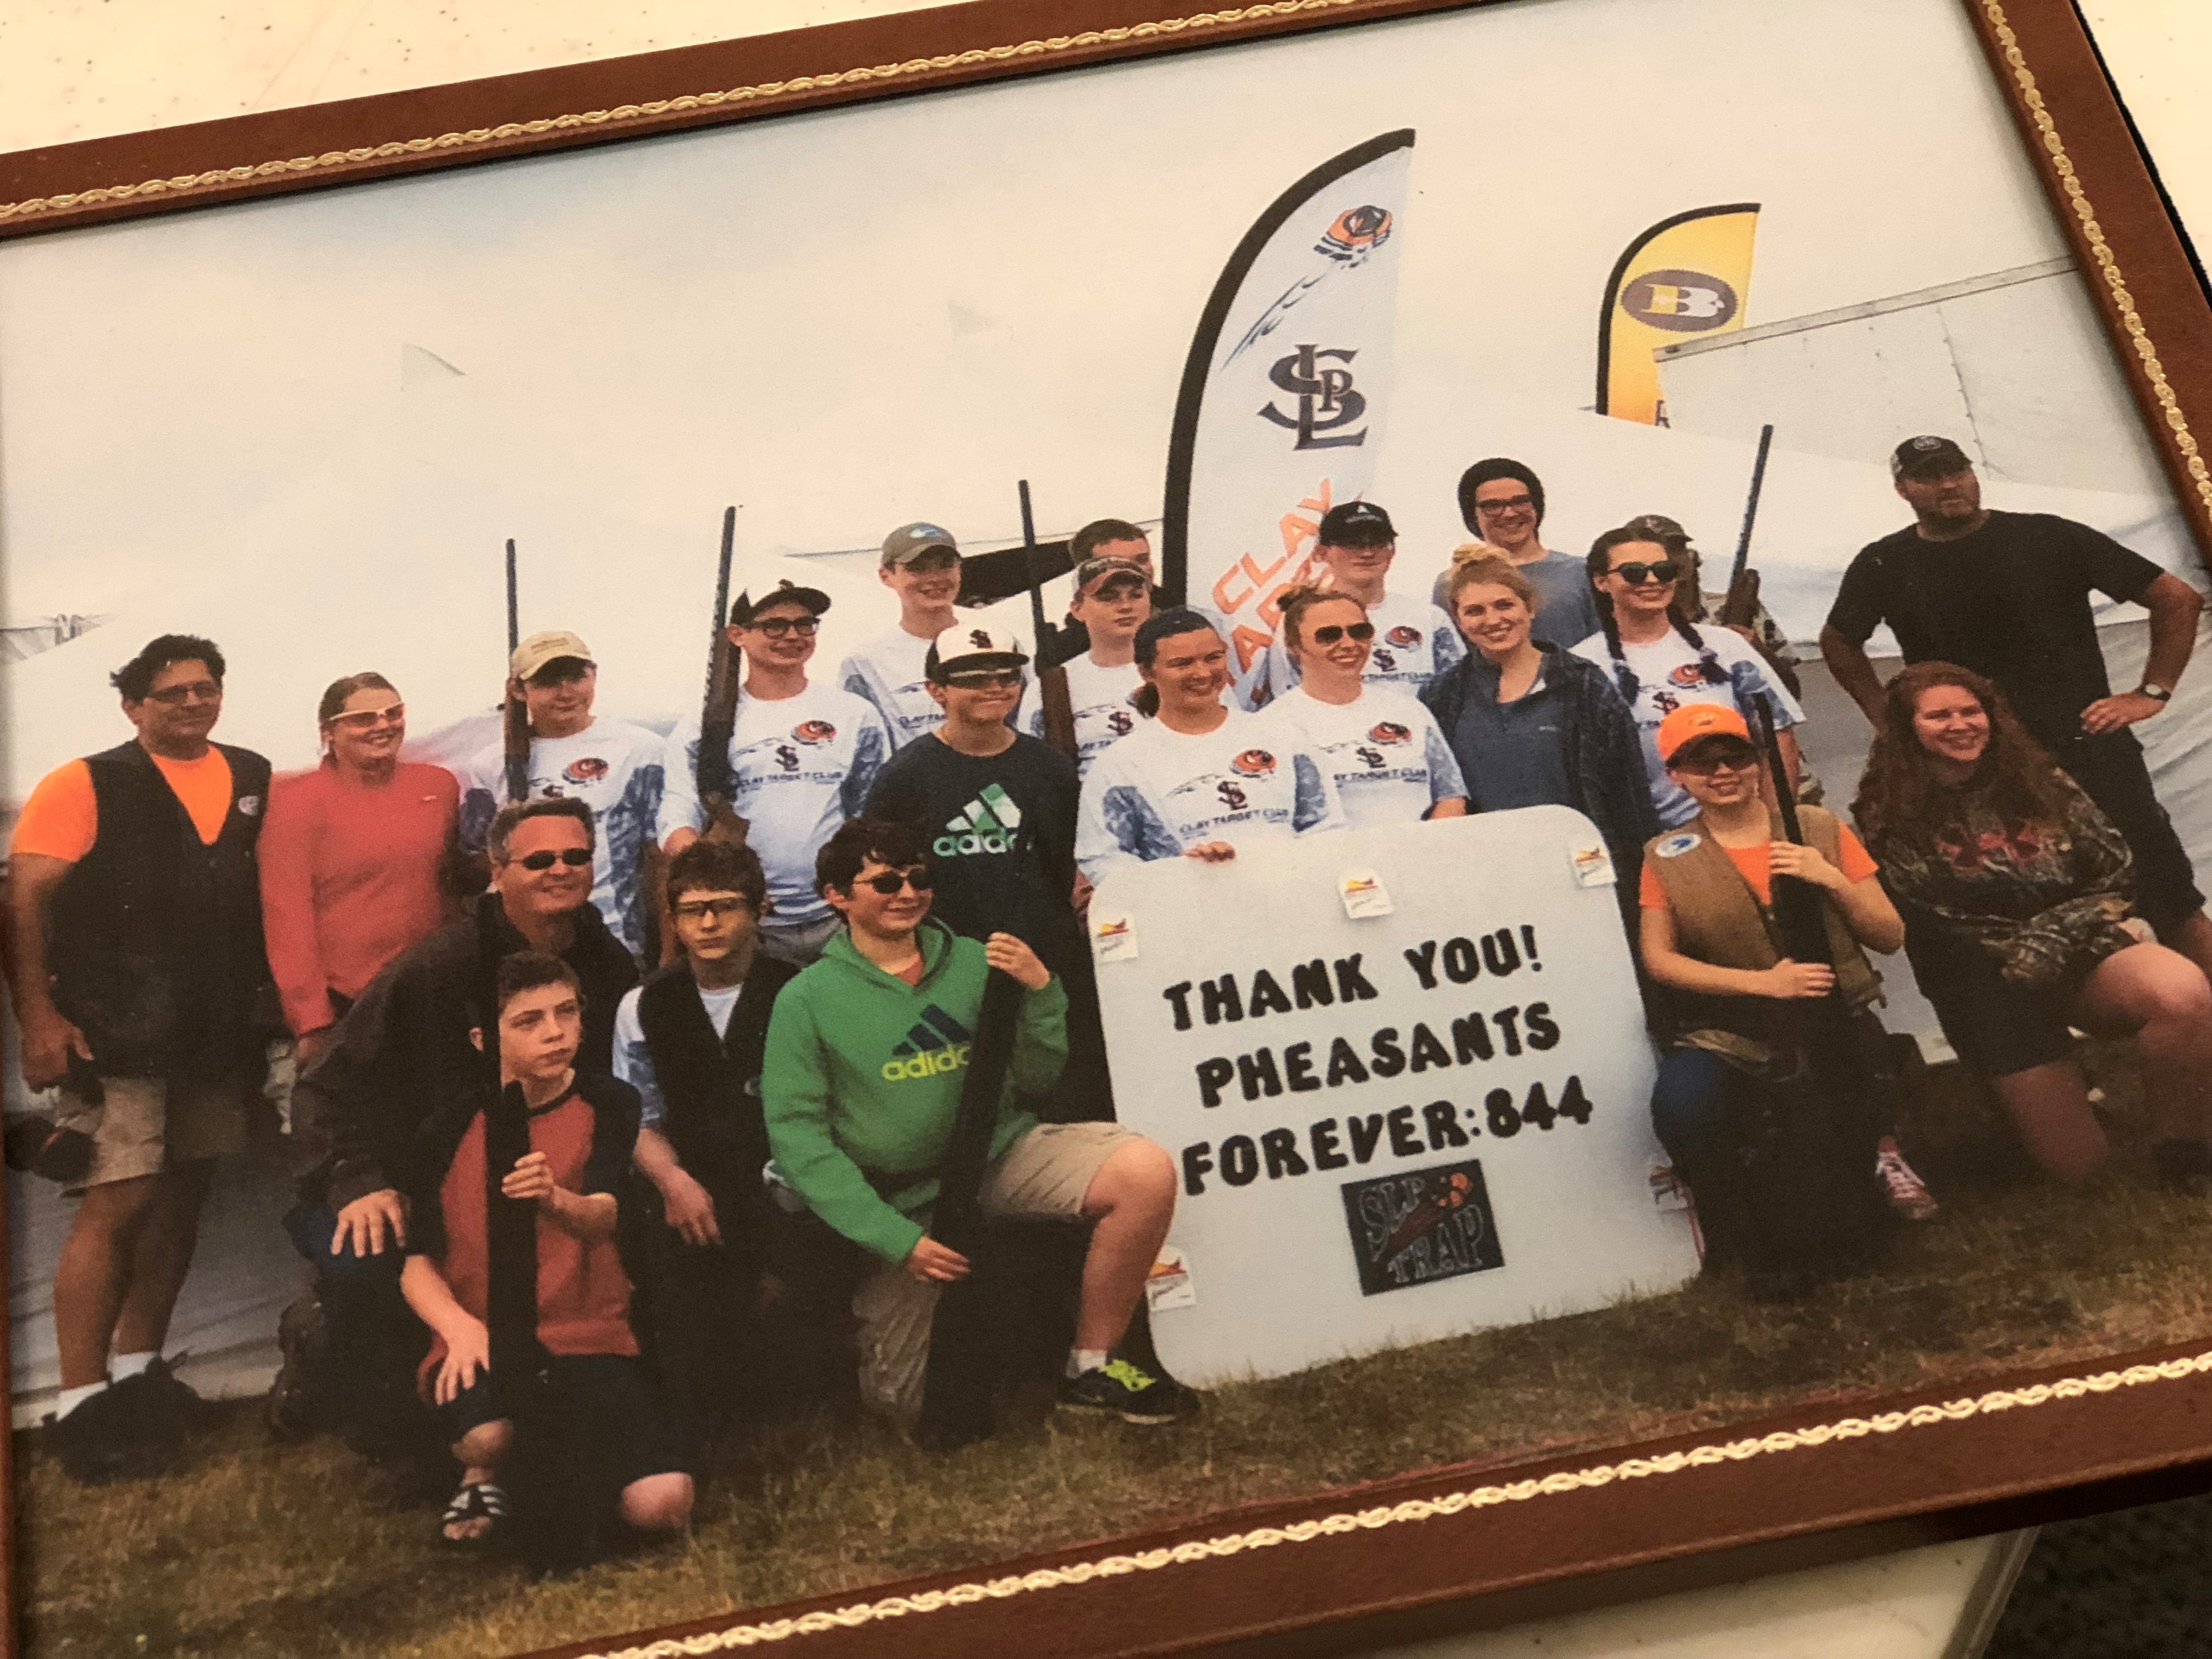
x=936, y=1044
x=987, y=825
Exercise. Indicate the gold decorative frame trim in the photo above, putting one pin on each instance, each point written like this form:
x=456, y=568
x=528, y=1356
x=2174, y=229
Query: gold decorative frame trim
x=623, y=114
x=1413, y=1509
x=2107, y=264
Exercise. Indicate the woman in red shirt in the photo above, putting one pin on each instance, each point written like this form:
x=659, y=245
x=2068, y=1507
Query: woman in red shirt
x=351, y=856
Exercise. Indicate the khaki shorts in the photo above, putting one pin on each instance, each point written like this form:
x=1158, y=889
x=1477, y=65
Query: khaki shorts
x=144, y=1124
x=1042, y=1176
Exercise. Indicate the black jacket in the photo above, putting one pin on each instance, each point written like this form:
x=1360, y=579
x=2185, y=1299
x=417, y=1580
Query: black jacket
x=402, y=1055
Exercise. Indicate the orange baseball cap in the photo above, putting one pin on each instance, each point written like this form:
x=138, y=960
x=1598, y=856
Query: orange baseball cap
x=1693, y=720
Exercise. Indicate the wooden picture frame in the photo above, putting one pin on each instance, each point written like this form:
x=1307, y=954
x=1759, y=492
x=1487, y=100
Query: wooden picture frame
x=1445, y=1549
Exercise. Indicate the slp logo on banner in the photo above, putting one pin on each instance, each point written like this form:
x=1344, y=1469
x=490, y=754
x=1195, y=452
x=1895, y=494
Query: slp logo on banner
x=1687, y=275
x=1281, y=408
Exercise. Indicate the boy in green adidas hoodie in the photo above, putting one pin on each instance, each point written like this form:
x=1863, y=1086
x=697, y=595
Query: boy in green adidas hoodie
x=861, y=1087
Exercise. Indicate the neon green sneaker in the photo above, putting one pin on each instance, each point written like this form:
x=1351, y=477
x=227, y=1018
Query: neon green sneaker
x=1128, y=1391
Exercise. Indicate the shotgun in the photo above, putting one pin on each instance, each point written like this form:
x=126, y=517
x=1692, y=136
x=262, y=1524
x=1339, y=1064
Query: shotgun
x=1052, y=681
x=1742, y=602
x=1741, y=608
x=559, y=1475
x=718, y=717
x=956, y=1409
x=514, y=712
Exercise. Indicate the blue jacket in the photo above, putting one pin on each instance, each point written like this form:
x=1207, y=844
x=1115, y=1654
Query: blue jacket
x=1604, y=754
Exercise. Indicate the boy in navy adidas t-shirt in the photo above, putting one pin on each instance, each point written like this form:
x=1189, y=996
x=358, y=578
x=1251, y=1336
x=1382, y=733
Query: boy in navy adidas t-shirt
x=997, y=810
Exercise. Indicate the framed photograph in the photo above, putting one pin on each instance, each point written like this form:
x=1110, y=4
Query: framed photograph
x=1510, y=1267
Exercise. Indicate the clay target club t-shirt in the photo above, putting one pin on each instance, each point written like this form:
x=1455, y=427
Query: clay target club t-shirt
x=1103, y=702
x=2011, y=602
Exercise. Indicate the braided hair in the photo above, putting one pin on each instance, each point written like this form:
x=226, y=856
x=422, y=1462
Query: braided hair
x=1600, y=563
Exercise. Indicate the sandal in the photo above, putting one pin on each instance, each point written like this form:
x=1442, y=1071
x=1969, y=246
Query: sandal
x=475, y=1501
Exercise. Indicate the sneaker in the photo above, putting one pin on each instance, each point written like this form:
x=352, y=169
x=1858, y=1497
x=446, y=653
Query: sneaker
x=299, y=1398
x=1130, y=1392
x=1907, y=1193
x=34, y=1146
x=105, y=1439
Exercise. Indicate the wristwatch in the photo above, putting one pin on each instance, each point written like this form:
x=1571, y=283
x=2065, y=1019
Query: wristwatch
x=2154, y=691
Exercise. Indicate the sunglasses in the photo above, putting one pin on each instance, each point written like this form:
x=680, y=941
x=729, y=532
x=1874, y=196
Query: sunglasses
x=367, y=719
x=984, y=679
x=891, y=881
x=1333, y=632
x=1636, y=574
x=709, y=909
x=176, y=697
x=938, y=558
x=573, y=857
x=1705, y=763
x=776, y=626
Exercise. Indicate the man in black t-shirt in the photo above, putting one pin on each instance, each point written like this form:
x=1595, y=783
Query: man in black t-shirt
x=2007, y=594
x=998, y=810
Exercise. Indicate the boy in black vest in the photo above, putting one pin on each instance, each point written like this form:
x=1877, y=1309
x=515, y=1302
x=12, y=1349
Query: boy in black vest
x=690, y=1041
x=136, y=959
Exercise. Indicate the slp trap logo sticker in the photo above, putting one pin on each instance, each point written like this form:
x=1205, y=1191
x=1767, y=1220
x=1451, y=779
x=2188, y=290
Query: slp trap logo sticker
x=1420, y=1226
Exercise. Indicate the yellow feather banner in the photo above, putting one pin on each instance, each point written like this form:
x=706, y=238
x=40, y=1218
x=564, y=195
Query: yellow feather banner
x=1685, y=275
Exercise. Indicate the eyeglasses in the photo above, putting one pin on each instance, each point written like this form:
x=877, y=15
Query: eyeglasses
x=573, y=857
x=891, y=881
x=984, y=679
x=1636, y=574
x=1333, y=632
x=776, y=626
x=367, y=719
x=1705, y=764
x=1507, y=505
x=709, y=909
x=175, y=696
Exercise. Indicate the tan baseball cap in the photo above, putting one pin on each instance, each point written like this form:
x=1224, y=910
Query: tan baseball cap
x=534, y=653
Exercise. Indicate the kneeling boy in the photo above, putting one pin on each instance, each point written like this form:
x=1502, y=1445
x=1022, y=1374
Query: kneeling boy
x=582, y=1133
x=862, y=1086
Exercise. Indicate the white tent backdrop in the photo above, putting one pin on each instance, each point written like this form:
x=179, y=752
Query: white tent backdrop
x=308, y=436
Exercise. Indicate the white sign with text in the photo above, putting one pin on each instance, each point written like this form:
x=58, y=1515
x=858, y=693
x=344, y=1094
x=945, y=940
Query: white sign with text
x=1395, y=1121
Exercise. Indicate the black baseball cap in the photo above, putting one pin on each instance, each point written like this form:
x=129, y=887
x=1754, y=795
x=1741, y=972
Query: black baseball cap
x=744, y=607
x=1927, y=457
x=1356, y=523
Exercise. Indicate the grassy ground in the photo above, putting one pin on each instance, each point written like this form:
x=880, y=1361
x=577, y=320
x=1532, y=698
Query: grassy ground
x=253, y=1549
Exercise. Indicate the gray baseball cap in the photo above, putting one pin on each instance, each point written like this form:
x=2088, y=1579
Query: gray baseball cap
x=910, y=541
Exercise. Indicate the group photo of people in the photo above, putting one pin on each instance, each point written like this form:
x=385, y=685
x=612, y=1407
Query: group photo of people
x=614, y=1120
x=738, y=1058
